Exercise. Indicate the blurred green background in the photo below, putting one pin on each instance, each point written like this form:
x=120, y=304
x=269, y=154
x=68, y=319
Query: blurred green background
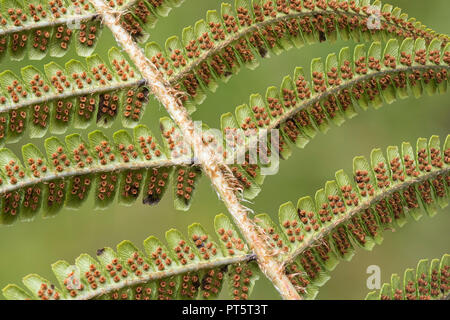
x=31, y=247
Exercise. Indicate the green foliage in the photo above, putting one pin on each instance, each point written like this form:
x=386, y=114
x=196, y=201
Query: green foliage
x=337, y=88
x=42, y=27
x=429, y=281
x=310, y=239
x=352, y=212
x=217, y=47
x=74, y=96
x=125, y=166
x=186, y=268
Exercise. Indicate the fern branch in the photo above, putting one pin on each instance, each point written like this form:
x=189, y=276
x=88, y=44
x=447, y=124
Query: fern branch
x=354, y=210
x=76, y=94
x=167, y=96
x=52, y=27
x=430, y=281
x=347, y=83
x=116, y=168
x=37, y=28
x=71, y=94
x=302, y=106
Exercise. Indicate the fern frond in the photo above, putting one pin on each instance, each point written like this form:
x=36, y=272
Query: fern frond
x=40, y=27
x=349, y=212
x=310, y=240
x=52, y=27
x=217, y=47
x=304, y=105
x=138, y=16
x=77, y=94
x=197, y=266
x=301, y=107
x=430, y=281
x=70, y=171
x=314, y=236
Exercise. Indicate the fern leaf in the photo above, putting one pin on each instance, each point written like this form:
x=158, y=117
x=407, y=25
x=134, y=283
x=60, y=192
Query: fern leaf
x=303, y=106
x=77, y=94
x=350, y=212
x=185, y=268
x=215, y=48
x=42, y=27
x=52, y=27
x=353, y=212
x=311, y=238
x=430, y=281
x=125, y=166
x=141, y=15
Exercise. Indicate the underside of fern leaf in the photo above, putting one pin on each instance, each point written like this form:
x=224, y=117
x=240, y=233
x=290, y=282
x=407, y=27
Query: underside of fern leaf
x=336, y=89
x=353, y=212
x=188, y=268
x=125, y=167
x=310, y=238
x=430, y=281
x=75, y=95
x=217, y=47
x=52, y=27
x=40, y=27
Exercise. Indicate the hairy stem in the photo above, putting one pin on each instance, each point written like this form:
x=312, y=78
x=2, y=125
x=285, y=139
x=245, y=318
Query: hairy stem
x=218, y=173
x=364, y=205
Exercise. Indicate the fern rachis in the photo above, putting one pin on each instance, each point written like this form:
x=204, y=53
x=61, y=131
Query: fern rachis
x=297, y=253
